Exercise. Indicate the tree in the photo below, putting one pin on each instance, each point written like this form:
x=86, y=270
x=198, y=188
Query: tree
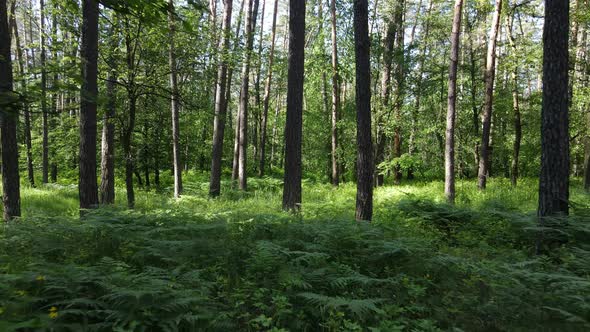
x=452, y=101
x=515, y=103
x=484, y=160
x=45, y=160
x=88, y=188
x=554, y=178
x=174, y=102
x=8, y=121
x=364, y=191
x=335, y=98
x=294, y=124
x=220, y=104
x=266, y=99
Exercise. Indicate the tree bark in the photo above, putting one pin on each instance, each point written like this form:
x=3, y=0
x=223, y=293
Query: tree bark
x=8, y=121
x=107, y=164
x=45, y=144
x=174, y=102
x=399, y=86
x=554, y=178
x=88, y=187
x=220, y=104
x=236, y=151
x=335, y=98
x=364, y=193
x=267, y=87
x=22, y=64
x=294, y=123
x=515, y=105
x=452, y=101
x=484, y=160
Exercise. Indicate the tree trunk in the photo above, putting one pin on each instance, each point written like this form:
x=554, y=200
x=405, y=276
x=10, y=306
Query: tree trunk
x=174, y=102
x=251, y=12
x=220, y=104
x=8, y=121
x=45, y=144
x=399, y=86
x=515, y=105
x=266, y=99
x=88, y=187
x=128, y=131
x=257, y=114
x=236, y=154
x=452, y=101
x=484, y=160
x=294, y=124
x=554, y=179
x=27, y=117
x=364, y=193
x=335, y=98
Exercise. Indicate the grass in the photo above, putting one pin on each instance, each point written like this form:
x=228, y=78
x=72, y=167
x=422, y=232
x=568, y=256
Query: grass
x=240, y=263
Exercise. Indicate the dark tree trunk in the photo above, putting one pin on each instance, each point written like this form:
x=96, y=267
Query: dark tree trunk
x=88, y=187
x=129, y=162
x=335, y=98
x=484, y=160
x=364, y=193
x=294, y=124
x=399, y=86
x=220, y=107
x=45, y=144
x=8, y=121
x=452, y=101
x=554, y=179
x=266, y=99
x=515, y=106
x=174, y=102
x=27, y=117
x=107, y=163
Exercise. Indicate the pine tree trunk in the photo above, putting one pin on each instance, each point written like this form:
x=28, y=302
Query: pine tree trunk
x=294, y=123
x=220, y=104
x=452, y=101
x=554, y=178
x=44, y=111
x=484, y=160
x=27, y=117
x=399, y=87
x=267, y=87
x=88, y=187
x=335, y=98
x=174, y=102
x=515, y=106
x=8, y=121
x=364, y=193
x=236, y=152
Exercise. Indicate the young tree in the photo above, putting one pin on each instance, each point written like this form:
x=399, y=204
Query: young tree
x=45, y=147
x=174, y=102
x=364, y=191
x=554, y=178
x=335, y=98
x=8, y=120
x=266, y=99
x=484, y=160
x=88, y=188
x=220, y=104
x=515, y=101
x=452, y=101
x=294, y=124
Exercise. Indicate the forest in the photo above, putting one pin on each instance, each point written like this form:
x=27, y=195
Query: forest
x=295, y=165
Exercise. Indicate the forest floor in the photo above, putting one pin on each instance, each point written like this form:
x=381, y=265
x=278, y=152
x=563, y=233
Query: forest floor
x=238, y=263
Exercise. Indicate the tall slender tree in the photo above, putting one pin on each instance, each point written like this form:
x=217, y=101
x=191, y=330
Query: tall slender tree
x=294, y=124
x=452, y=101
x=554, y=178
x=489, y=76
x=220, y=103
x=515, y=101
x=335, y=97
x=364, y=191
x=44, y=110
x=8, y=121
x=174, y=103
x=88, y=187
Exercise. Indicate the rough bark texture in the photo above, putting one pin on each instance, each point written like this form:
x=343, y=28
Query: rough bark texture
x=400, y=82
x=364, y=192
x=515, y=106
x=294, y=123
x=267, y=87
x=174, y=104
x=489, y=76
x=335, y=98
x=8, y=121
x=107, y=163
x=554, y=179
x=452, y=101
x=131, y=47
x=220, y=107
x=27, y=117
x=88, y=187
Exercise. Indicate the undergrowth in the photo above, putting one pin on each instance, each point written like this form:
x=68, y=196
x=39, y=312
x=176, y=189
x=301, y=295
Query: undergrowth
x=240, y=264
